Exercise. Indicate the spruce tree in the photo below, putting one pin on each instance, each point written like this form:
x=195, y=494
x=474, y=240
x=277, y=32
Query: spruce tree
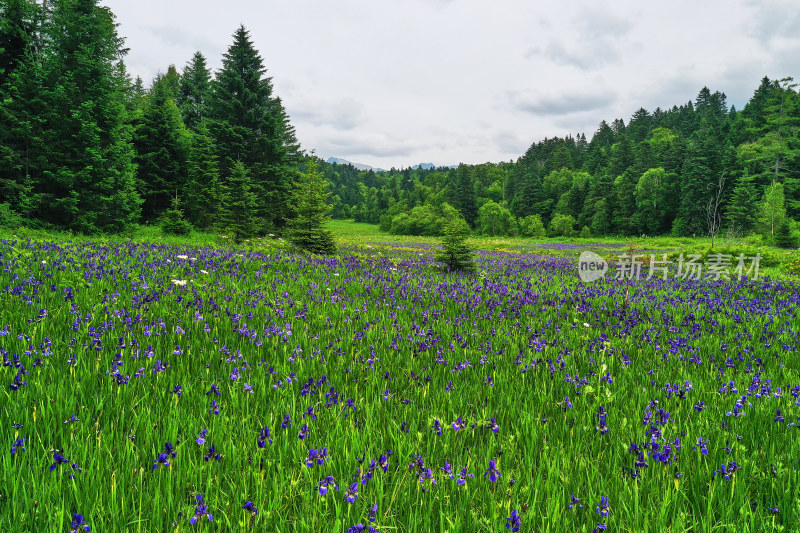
x=307, y=230
x=194, y=91
x=162, y=144
x=740, y=214
x=173, y=221
x=784, y=237
x=465, y=195
x=456, y=253
x=88, y=174
x=206, y=193
x=249, y=125
x=240, y=213
x=20, y=104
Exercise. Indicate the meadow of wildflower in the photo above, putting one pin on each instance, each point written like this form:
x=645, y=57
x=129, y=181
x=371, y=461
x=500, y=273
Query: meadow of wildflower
x=154, y=387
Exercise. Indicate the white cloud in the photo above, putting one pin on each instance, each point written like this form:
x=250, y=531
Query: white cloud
x=395, y=83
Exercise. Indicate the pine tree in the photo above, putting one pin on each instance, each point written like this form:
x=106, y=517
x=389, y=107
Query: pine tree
x=88, y=174
x=249, y=125
x=173, y=221
x=240, y=214
x=307, y=229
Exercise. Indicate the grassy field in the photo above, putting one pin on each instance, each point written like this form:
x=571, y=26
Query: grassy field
x=150, y=383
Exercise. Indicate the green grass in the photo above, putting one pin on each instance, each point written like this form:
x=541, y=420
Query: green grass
x=385, y=309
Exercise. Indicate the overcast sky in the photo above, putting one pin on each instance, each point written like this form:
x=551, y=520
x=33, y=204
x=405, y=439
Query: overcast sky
x=400, y=82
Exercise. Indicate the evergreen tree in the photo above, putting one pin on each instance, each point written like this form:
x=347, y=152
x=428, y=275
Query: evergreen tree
x=307, y=230
x=207, y=197
x=241, y=212
x=162, y=146
x=194, y=91
x=21, y=149
x=465, y=195
x=696, y=182
x=456, y=253
x=784, y=237
x=740, y=214
x=250, y=126
x=18, y=21
x=173, y=221
x=88, y=175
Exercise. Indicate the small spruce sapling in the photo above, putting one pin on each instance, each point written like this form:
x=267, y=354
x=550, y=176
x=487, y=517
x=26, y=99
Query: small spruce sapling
x=456, y=255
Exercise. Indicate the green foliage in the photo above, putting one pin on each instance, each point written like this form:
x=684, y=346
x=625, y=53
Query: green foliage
x=772, y=211
x=741, y=212
x=585, y=232
x=173, y=222
x=456, y=253
x=423, y=220
x=207, y=193
x=465, y=195
x=86, y=177
x=240, y=212
x=249, y=125
x=9, y=218
x=307, y=229
x=532, y=226
x=194, y=91
x=162, y=146
x=562, y=226
x=495, y=219
x=784, y=236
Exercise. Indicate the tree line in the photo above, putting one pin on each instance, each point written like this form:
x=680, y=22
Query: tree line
x=698, y=169
x=86, y=148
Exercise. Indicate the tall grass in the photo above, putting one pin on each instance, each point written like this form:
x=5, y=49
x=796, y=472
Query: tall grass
x=121, y=331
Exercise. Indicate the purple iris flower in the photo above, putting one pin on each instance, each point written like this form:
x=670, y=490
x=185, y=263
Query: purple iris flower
x=326, y=483
x=58, y=459
x=492, y=472
x=351, y=495
x=78, y=523
x=19, y=443
x=200, y=511
x=604, y=507
x=513, y=522
x=248, y=506
x=263, y=436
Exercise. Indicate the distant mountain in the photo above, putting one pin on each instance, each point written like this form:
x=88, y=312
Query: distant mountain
x=358, y=166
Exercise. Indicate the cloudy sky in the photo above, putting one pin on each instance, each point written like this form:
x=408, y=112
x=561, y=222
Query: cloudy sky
x=400, y=82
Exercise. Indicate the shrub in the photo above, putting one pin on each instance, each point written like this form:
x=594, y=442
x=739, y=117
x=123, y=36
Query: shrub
x=562, y=226
x=8, y=217
x=531, y=226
